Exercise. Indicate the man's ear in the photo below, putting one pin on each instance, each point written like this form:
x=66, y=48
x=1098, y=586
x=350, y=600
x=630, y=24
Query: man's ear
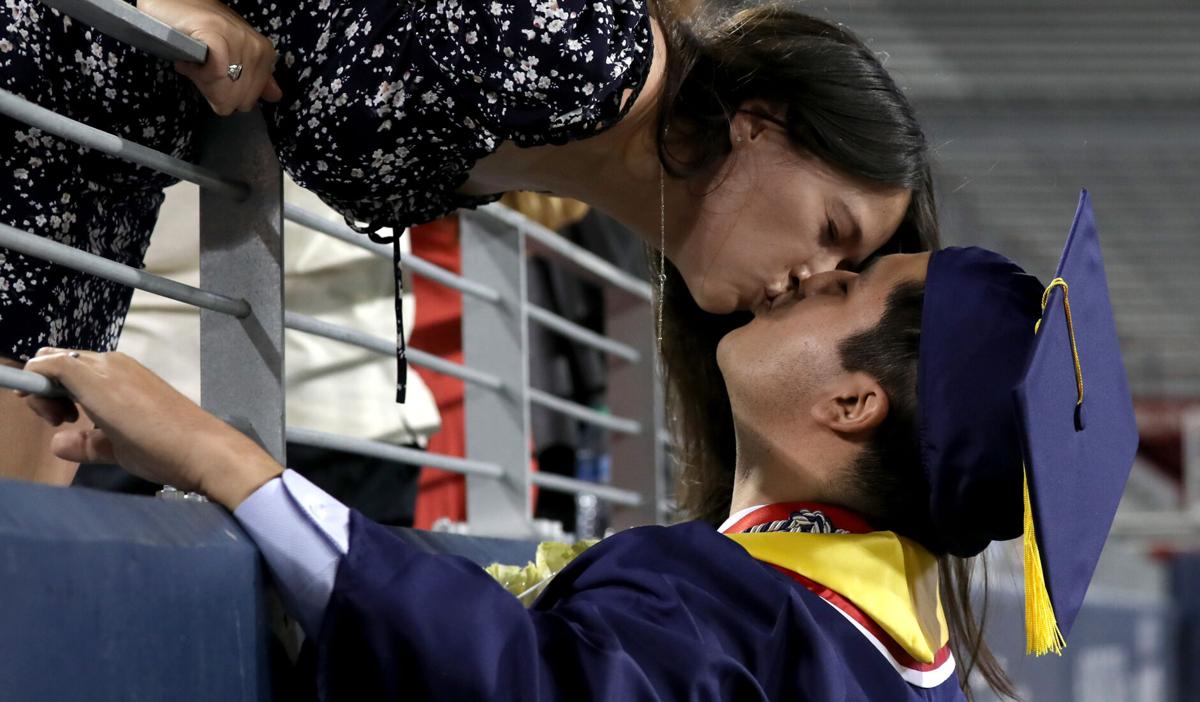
x=751, y=119
x=854, y=403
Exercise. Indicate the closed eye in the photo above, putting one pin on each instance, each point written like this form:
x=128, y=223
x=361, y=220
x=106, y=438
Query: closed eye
x=831, y=232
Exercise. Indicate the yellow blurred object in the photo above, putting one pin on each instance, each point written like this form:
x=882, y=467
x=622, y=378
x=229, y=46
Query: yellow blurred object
x=551, y=212
x=527, y=582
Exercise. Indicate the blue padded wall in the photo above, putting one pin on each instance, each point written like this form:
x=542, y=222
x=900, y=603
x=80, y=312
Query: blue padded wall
x=109, y=597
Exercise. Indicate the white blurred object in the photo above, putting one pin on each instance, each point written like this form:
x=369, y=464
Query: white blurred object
x=174, y=494
x=331, y=386
x=445, y=525
x=549, y=530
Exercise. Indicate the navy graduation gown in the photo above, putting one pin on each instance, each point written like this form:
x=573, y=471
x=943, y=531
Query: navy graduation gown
x=654, y=613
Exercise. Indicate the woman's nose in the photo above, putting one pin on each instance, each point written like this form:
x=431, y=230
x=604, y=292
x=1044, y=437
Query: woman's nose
x=826, y=282
x=824, y=262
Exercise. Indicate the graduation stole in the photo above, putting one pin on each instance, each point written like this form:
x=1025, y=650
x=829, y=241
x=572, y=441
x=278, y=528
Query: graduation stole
x=885, y=583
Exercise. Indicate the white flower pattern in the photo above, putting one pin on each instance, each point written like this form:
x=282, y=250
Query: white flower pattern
x=446, y=82
x=386, y=108
x=71, y=194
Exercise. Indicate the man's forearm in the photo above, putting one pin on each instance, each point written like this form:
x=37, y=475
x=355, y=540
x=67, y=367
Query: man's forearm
x=235, y=468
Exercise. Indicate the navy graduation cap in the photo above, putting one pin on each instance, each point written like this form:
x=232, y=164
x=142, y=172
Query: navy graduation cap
x=1027, y=425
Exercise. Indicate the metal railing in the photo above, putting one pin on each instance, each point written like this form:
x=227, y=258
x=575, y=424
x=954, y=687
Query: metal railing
x=242, y=316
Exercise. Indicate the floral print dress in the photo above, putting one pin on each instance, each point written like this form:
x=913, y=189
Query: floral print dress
x=387, y=106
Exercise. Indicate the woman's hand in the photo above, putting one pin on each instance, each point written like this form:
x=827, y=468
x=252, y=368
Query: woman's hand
x=146, y=426
x=231, y=41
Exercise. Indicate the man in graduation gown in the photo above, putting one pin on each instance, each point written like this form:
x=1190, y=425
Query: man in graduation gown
x=822, y=585
x=794, y=611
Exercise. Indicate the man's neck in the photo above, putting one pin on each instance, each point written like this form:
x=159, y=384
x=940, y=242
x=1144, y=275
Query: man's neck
x=745, y=495
x=760, y=483
x=770, y=472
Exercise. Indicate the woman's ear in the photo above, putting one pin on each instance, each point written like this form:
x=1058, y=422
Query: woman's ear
x=751, y=119
x=854, y=404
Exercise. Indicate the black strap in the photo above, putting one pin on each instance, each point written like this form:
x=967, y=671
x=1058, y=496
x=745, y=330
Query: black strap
x=401, y=358
x=371, y=229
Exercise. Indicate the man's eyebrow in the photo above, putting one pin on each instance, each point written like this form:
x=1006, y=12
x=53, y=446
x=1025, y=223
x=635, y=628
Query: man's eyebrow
x=867, y=269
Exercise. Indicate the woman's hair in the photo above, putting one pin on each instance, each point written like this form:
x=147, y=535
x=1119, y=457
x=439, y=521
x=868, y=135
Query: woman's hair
x=890, y=484
x=837, y=101
x=838, y=104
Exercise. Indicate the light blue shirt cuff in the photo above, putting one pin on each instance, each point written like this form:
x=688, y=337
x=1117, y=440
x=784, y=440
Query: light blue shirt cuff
x=302, y=533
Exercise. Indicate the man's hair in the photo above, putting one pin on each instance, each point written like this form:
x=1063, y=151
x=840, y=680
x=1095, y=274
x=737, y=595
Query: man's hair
x=888, y=480
x=887, y=477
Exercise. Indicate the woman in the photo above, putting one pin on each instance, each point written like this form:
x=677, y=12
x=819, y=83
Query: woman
x=753, y=147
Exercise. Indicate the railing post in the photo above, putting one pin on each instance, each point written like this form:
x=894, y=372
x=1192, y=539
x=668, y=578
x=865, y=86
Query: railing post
x=495, y=341
x=241, y=255
x=634, y=391
x=1190, y=422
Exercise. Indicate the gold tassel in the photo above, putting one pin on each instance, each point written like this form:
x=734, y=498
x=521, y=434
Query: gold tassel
x=1042, y=634
x=1041, y=628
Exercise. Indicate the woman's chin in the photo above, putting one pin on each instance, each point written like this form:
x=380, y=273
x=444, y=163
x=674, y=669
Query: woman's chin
x=718, y=302
x=711, y=294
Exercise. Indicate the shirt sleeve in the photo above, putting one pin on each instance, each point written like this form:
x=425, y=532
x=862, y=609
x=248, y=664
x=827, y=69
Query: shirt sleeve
x=303, y=534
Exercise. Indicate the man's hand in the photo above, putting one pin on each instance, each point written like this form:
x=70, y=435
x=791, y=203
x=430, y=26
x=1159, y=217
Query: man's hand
x=146, y=426
x=231, y=41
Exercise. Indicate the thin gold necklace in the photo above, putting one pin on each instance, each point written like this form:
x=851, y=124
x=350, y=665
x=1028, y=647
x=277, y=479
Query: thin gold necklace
x=662, y=240
x=662, y=250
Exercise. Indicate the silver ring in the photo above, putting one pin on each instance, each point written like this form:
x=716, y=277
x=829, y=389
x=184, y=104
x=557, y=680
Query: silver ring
x=74, y=354
x=234, y=71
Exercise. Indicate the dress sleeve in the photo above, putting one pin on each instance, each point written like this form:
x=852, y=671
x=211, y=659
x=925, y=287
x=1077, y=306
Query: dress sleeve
x=403, y=624
x=543, y=72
